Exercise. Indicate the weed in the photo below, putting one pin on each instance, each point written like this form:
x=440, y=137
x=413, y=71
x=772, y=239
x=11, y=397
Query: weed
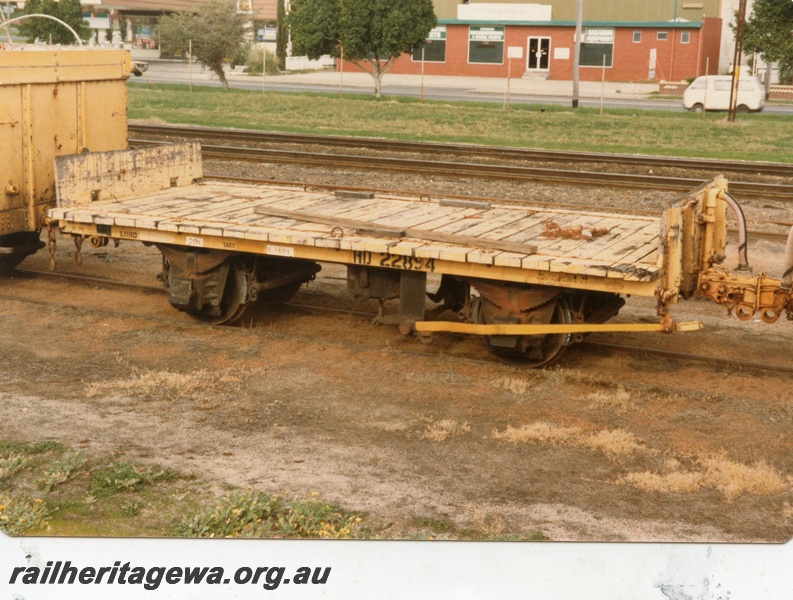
x=61, y=470
x=131, y=508
x=11, y=464
x=24, y=448
x=17, y=516
x=124, y=477
x=258, y=514
x=436, y=526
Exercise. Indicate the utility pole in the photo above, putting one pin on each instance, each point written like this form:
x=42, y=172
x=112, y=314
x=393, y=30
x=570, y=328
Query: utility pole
x=579, y=11
x=736, y=61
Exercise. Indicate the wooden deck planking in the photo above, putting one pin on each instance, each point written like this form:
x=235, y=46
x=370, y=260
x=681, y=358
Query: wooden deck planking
x=373, y=212
x=535, y=226
x=569, y=247
x=628, y=251
x=451, y=215
x=639, y=241
x=414, y=216
x=464, y=226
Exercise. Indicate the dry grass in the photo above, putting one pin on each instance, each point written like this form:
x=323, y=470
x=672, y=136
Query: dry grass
x=678, y=481
x=731, y=478
x=440, y=431
x=619, y=400
x=489, y=526
x=203, y=386
x=617, y=442
x=539, y=431
x=613, y=442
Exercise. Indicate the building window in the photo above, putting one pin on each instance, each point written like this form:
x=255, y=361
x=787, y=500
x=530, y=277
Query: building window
x=662, y=36
x=434, y=49
x=637, y=37
x=685, y=37
x=486, y=45
x=597, y=49
x=145, y=31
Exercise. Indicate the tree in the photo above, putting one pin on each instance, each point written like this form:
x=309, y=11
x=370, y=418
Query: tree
x=372, y=34
x=47, y=30
x=217, y=32
x=282, y=35
x=769, y=32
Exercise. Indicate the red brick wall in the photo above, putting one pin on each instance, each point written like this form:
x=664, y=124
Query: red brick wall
x=631, y=61
x=710, y=48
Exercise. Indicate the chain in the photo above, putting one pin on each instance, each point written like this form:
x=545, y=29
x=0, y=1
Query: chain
x=51, y=244
x=78, y=245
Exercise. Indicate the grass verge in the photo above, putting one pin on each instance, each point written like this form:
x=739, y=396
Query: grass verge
x=49, y=489
x=758, y=137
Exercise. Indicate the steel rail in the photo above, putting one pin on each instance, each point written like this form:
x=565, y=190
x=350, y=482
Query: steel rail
x=434, y=148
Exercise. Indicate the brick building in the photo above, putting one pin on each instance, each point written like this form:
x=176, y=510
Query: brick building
x=635, y=51
x=625, y=41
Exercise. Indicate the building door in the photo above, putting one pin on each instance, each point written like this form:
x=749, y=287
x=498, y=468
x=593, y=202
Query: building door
x=539, y=53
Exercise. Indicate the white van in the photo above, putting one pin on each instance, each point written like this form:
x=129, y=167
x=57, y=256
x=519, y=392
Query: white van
x=712, y=92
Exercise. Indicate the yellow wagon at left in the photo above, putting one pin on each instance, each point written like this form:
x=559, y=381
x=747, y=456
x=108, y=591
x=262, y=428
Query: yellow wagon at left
x=53, y=101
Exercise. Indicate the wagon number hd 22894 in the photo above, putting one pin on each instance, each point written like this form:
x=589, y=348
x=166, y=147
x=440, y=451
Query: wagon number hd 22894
x=393, y=261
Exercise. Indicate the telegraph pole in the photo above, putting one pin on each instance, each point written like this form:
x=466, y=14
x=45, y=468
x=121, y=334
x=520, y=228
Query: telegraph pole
x=579, y=11
x=736, y=61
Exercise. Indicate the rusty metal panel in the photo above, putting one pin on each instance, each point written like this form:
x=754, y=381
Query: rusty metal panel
x=96, y=176
x=54, y=102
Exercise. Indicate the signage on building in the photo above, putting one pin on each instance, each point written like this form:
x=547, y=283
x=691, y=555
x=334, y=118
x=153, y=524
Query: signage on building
x=437, y=33
x=266, y=34
x=486, y=34
x=599, y=35
x=504, y=12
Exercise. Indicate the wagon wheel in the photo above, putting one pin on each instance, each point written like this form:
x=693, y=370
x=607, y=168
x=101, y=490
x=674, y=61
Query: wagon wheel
x=552, y=346
x=234, y=302
x=279, y=295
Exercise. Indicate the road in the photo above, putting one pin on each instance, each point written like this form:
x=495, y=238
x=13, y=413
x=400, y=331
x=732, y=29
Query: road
x=632, y=96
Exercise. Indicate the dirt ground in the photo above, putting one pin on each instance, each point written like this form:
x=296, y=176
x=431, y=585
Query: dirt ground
x=610, y=445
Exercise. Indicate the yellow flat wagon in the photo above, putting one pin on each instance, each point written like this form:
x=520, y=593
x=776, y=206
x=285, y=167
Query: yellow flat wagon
x=542, y=277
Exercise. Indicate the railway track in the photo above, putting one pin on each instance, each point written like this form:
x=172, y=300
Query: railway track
x=494, y=152
x=780, y=192
x=488, y=359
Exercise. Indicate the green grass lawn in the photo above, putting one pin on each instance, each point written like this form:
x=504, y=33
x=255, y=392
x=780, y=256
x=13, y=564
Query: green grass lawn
x=754, y=137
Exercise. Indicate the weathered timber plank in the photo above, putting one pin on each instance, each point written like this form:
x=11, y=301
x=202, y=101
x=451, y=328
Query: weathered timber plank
x=430, y=236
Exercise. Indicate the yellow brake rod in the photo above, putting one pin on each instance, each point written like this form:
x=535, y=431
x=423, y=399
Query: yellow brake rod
x=558, y=328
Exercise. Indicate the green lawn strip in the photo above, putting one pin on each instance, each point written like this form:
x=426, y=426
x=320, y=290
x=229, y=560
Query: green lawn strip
x=755, y=137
